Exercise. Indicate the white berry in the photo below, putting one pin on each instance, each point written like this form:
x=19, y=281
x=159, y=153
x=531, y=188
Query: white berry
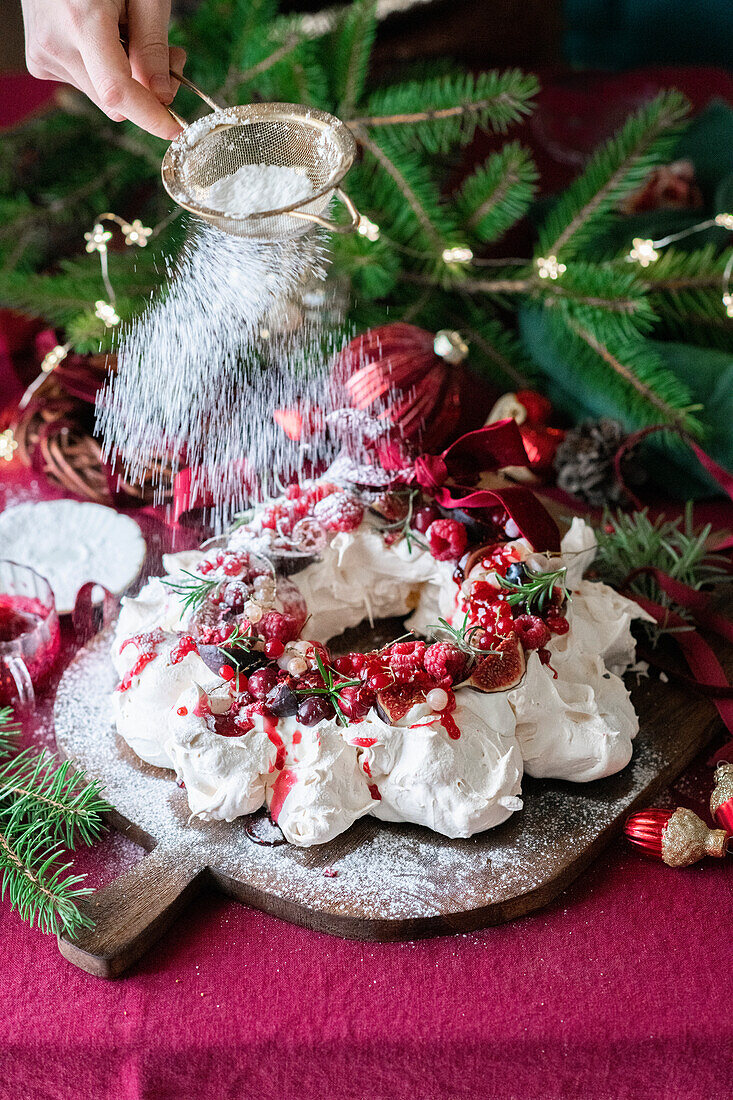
x=253, y=611
x=297, y=666
x=437, y=699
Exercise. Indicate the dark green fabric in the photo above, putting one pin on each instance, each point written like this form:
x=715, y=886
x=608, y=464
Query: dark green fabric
x=625, y=34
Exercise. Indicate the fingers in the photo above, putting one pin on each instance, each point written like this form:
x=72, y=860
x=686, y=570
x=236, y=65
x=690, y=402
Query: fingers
x=176, y=61
x=109, y=71
x=148, y=45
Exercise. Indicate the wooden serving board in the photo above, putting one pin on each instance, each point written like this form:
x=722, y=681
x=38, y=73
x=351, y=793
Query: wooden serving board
x=393, y=882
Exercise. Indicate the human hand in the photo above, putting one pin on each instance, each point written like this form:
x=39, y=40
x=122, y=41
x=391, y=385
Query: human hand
x=78, y=42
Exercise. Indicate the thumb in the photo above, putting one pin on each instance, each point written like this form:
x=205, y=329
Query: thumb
x=147, y=22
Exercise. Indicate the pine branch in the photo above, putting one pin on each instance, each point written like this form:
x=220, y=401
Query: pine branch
x=646, y=392
x=352, y=50
x=34, y=786
x=617, y=169
x=9, y=732
x=498, y=193
x=589, y=294
x=405, y=192
x=458, y=104
x=494, y=348
x=35, y=880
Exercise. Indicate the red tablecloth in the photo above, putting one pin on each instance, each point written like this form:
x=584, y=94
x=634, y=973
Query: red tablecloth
x=620, y=989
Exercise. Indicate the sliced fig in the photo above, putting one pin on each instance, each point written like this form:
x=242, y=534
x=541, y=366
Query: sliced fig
x=394, y=702
x=214, y=657
x=282, y=701
x=499, y=671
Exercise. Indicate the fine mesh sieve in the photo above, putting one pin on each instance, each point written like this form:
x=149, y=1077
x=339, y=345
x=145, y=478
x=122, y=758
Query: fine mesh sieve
x=310, y=142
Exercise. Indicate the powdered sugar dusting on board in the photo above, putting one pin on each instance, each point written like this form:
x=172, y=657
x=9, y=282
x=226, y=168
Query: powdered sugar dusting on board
x=383, y=872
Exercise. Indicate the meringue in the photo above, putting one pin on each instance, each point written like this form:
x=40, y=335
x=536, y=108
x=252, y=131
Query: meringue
x=457, y=771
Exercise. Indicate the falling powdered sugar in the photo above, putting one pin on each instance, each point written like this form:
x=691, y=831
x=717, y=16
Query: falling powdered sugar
x=204, y=370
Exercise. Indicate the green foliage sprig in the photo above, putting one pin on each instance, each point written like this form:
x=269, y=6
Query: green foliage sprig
x=629, y=541
x=45, y=808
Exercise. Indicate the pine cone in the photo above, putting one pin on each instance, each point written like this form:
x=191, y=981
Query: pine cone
x=584, y=462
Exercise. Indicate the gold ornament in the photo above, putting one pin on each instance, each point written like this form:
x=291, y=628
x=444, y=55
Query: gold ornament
x=55, y=356
x=136, y=233
x=687, y=839
x=367, y=228
x=459, y=254
x=97, y=238
x=450, y=346
x=643, y=252
x=106, y=313
x=549, y=267
x=8, y=445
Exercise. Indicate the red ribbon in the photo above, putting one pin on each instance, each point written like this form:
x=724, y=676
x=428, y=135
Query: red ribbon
x=708, y=675
x=490, y=448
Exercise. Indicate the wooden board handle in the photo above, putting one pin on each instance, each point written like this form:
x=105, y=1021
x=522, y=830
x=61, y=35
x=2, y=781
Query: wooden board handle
x=132, y=911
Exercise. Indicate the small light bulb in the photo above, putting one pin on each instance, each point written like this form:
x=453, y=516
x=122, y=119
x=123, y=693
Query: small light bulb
x=643, y=252
x=459, y=254
x=8, y=445
x=549, y=267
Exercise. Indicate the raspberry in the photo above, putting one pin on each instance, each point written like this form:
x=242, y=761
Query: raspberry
x=320, y=490
x=293, y=491
x=274, y=626
x=405, y=658
x=533, y=632
x=446, y=663
x=339, y=512
x=447, y=538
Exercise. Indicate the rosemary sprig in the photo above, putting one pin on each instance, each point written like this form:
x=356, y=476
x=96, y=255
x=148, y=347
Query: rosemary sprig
x=238, y=639
x=195, y=590
x=631, y=541
x=535, y=592
x=331, y=688
x=462, y=636
x=402, y=526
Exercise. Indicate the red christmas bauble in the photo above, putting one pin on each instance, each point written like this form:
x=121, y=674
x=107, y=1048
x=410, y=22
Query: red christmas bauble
x=394, y=373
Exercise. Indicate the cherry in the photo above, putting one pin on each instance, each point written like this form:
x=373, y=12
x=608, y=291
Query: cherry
x=262, y=681
x=423, y=517
x=315, y=709
x=355, y=702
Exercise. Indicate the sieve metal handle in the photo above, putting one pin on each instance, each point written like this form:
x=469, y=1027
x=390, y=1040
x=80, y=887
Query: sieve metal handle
x=194, y=88
x=333, y=227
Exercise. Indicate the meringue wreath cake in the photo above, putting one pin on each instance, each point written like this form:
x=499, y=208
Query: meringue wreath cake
x=512, y=664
